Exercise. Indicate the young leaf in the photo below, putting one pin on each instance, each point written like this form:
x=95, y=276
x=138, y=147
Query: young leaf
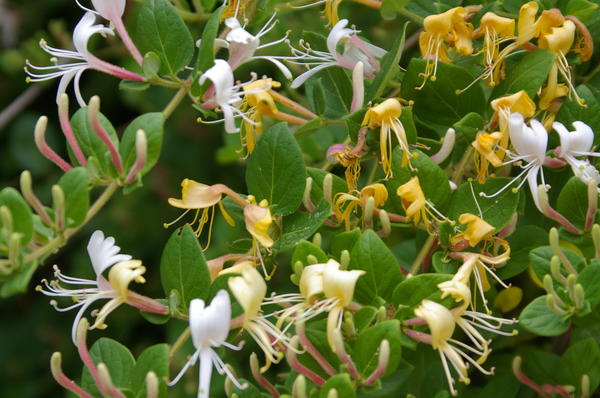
x=155, y=359
x=206, y=51
x=423, y=286
x=18, y=281
x=469, y=125
x=77, y=197
x=583, y=357
x=540, y=260
x=22, y=217
x=152, y=124
x=276, y=170
x=304, y=249
x=539, y=319
x=302, y=225
x=342, y=383
x=366, y=348
x=589, y=279
x=159, y=28
x=383, y=273
x=183, y=267
x=529, y=74
x=118, y=360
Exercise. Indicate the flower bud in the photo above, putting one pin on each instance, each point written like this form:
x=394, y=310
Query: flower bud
x=386, y=225
x=344, y=259
x=328, y=188
x=58, y=201
x=7, y=220
x=317, y=240
x=299, y=387
x=151, y=385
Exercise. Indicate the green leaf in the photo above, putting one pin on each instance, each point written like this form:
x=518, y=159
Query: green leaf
x=383, y=273
x=389, y=64
x=90, y=143
x=529, y=74
x=366, y=348
x=589, y=279
x=337, y=184
x=155, y=359
x=469, y=125
x=276, y=170
x=342, y=383
x=18, y=281
x=302, y=225
x=423, y=286
x=540, y=260
x=496, y=211
x=22, y=217
x=582, y=9
x=570, y=111
x=152, y=124
x=364, y=317
x=344, y=241
x=522, y=241
x=539, y=319
x=437, y=105
x=304, y=249
x=160, y=29
x=573, y=202
x=118, y=360
x=310, y=127
x=183, y=266
x=77, y=195
x=151, y=65
x=128, y=85
x=581, y=358
x=206, y=51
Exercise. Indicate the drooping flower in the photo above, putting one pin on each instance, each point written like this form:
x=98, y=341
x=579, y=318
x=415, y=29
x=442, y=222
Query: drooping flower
x=242, y=45
x=416, y=206
x=477, y=229
x=485, y=145
x=209, y=327
x=386, y=116
x=78, y=61
x=202, y=198
x=355, y=50
x=104, y=254
x=249, y=290
x=530, y=145
x=519, y=102
x=258, y=220
x=442, y=31
x=574, y=144
x=346, y=203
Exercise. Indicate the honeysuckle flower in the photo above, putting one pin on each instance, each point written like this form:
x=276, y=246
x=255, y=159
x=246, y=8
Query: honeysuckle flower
x=577, y=143
x=386, y=116
x=346, y=204
x=249, y=290
x=477, y=229
x=104, y=254
x=78, y=61
x=485, y=145
x=355, y=50
x=441, y=31
x=519, y=102
x=258, y=220
x=202, y=198
x=350, y=159
x=530, y=146
x=227, y=95
x=415, y=205
x=496, y=30
x=242, y=45
x=330, y=11
x=209, y=327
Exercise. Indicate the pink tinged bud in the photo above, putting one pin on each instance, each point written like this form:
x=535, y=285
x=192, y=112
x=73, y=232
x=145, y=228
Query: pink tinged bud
x=31, y=197
x=84, y=354
x=298, y=367
x=141, y=155
x=40, y=142
x=106, y=380
x=340, y=351
x=447, y=146
x=358, y=87
x=260, y=379
x=306, y=200
x=312, y=350
x=549, y=212
x=592, y=192
x=65, y=125
x=151, y=385
x=93, y=111
x=62, y=379
x=382, y=364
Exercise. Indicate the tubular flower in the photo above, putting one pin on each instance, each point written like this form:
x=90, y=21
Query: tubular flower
x=442, y=31
x=519, y=102
x=496, y=30
x=416, y=206
x=260, y=103
x=77, y=61
x=242, y=45
x=355, y=50
x=103, y=254
x=485, y=145
x=258, y=220
x=476, y=231
x=249, y=290
x=376, y=191
x=386, y=117
x=530, y=144
x=338, y=288
x=350, y=159
x=578, y=143
x=202, y=198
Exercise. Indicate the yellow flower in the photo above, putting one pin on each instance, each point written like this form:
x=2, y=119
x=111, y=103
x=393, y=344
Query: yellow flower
x=496, y=30
x=477, y=229
x=202, y=198
x=376, y=191
x=261, y=103
x=526, y=25
x=442, y=31
x=485, y=146
x=415, y=205
x=331, y=11
x=258, y=220
x=386, y=116
x=519, y=102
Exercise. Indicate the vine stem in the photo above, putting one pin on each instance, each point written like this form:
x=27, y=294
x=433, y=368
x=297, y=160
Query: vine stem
x=179, y=342
x=175, y=101
x=422, y=254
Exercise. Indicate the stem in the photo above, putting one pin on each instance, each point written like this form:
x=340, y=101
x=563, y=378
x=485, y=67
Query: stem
x=179, y=342
x=232, y=194
x=411, y=15
x=172, y=105
x=310, y=348
x=293, y=105
x=422, y=254
x=146, y=304
x=457, y=175
x=286, y=117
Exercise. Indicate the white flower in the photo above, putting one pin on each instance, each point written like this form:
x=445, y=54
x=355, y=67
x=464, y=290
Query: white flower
x=242, y=45
x=107, y=9
x=577, y=143
x=530, y=144
x=355, y=50
x=209, y=327
x=227, y=95
x=103, y=255
x=76, y=62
